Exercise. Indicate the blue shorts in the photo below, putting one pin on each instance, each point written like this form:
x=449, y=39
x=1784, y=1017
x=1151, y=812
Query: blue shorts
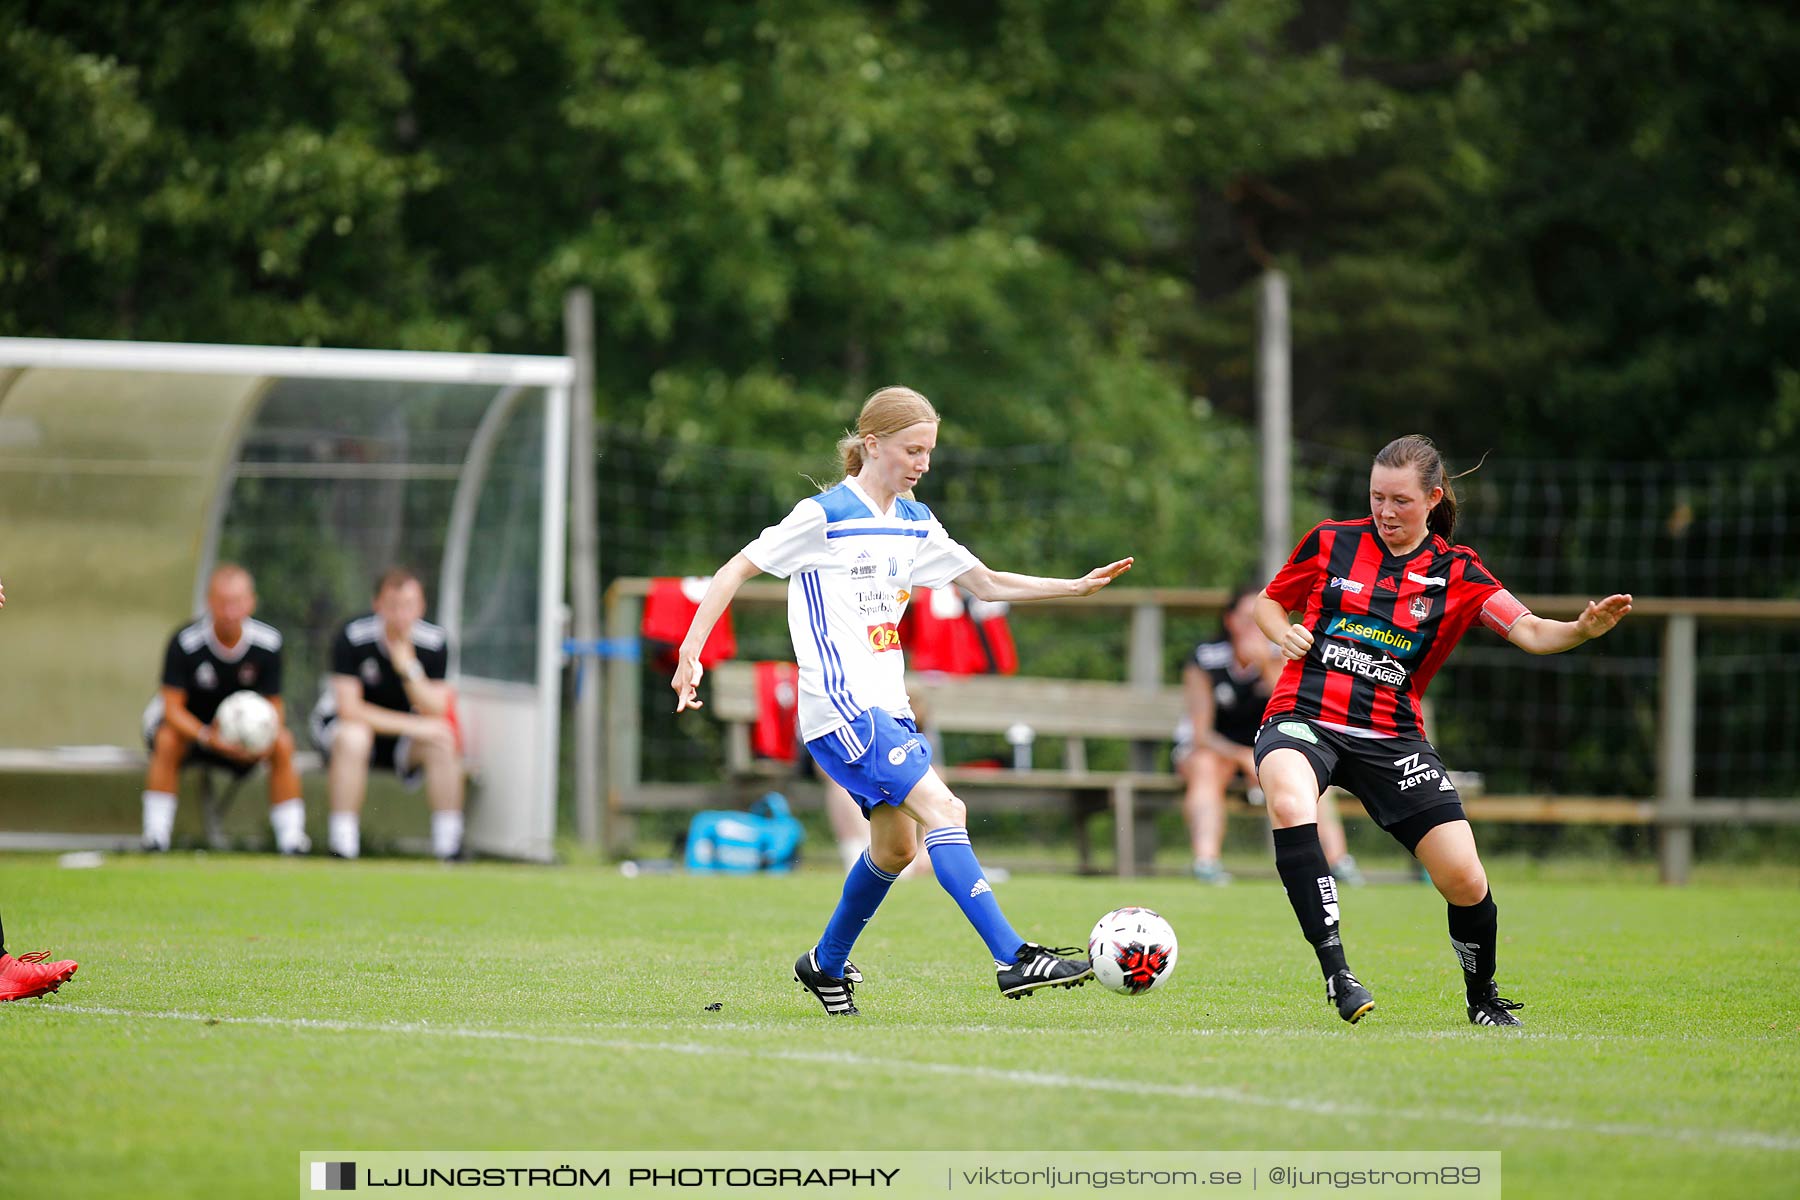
x=879, y=760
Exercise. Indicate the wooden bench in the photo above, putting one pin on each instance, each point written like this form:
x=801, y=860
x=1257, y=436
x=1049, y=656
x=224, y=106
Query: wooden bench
x=1072, y=710
x=1077, y=711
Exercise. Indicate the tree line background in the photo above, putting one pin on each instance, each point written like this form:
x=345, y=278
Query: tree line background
x=1548, y=228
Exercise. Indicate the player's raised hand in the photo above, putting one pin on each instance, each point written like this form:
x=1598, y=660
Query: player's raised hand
x=2, y=595
x=1601, y=615
x=687, y=684
x=1099, y=577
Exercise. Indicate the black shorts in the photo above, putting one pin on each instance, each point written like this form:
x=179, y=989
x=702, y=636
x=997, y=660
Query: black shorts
x=394, y=754
x=1400, y=780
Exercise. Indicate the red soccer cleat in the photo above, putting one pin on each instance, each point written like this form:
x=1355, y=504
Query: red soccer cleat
x=29, y=975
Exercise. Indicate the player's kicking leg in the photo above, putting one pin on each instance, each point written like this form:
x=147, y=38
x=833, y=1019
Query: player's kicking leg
x=886, y=765
x=1020, y=967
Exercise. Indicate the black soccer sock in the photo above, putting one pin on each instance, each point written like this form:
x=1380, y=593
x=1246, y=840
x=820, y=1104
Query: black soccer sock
x=1473, y=932
x=2, y=938
x=1312, y=891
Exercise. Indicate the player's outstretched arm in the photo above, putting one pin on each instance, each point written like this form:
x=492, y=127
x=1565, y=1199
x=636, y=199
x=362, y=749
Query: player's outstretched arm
x=986, y=584
x=725, y=583
x=1536, y=635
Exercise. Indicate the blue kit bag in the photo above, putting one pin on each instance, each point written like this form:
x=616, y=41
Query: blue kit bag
x=767, y=838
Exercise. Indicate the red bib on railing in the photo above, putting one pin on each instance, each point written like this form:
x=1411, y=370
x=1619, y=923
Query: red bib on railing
x=670, y=609
x=777, y=705
x=941, y=633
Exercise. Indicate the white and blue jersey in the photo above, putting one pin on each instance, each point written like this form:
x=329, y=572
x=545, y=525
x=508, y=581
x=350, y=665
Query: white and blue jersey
x=851, y=569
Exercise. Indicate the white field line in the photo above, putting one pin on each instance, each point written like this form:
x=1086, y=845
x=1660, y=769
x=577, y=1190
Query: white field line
x=1471, y=1036
x=1750, y=1139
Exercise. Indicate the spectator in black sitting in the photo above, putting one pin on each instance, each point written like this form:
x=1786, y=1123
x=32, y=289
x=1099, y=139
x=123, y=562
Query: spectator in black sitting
x=223, y=652
x=386, y=704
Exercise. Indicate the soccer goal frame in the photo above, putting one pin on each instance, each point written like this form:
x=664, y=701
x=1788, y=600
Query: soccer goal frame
x=526, y=740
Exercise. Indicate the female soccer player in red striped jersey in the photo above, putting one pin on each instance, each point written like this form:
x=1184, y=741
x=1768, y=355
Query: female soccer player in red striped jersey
x=1385, y=599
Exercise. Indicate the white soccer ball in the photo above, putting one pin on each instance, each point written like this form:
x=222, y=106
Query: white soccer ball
x=247, y=720
x=1133, y=951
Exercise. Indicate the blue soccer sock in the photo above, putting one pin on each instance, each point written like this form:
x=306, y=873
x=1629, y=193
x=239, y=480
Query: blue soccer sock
x=864, y=888
x=954, y=863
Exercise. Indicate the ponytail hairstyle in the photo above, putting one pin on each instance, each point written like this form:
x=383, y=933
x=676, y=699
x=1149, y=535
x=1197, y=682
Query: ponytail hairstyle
x=885, y=413
x=1417, y=450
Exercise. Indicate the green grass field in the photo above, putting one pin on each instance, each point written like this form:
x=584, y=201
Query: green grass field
x=233, y=1011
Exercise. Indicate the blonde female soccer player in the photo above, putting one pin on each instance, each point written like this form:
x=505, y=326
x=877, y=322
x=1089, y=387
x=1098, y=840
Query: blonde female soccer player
x=852, y=555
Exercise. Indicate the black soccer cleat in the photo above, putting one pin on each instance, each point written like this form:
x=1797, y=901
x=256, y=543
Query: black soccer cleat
x=1353, y=1000
x=1488, y=1007
x=834, y=993
x=1040, y=967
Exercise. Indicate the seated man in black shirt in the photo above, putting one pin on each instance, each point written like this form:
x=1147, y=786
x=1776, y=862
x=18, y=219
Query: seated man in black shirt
x=386, y=704
x=223, y=652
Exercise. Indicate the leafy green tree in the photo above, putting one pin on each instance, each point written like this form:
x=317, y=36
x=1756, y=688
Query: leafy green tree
x=1574, y=235
x=1508, y=223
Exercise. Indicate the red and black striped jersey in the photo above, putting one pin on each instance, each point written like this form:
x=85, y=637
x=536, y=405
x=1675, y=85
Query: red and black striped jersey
x=1381, y=625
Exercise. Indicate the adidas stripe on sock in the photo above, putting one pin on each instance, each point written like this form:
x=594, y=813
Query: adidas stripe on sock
x=1474, y=929
x=958, y=871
